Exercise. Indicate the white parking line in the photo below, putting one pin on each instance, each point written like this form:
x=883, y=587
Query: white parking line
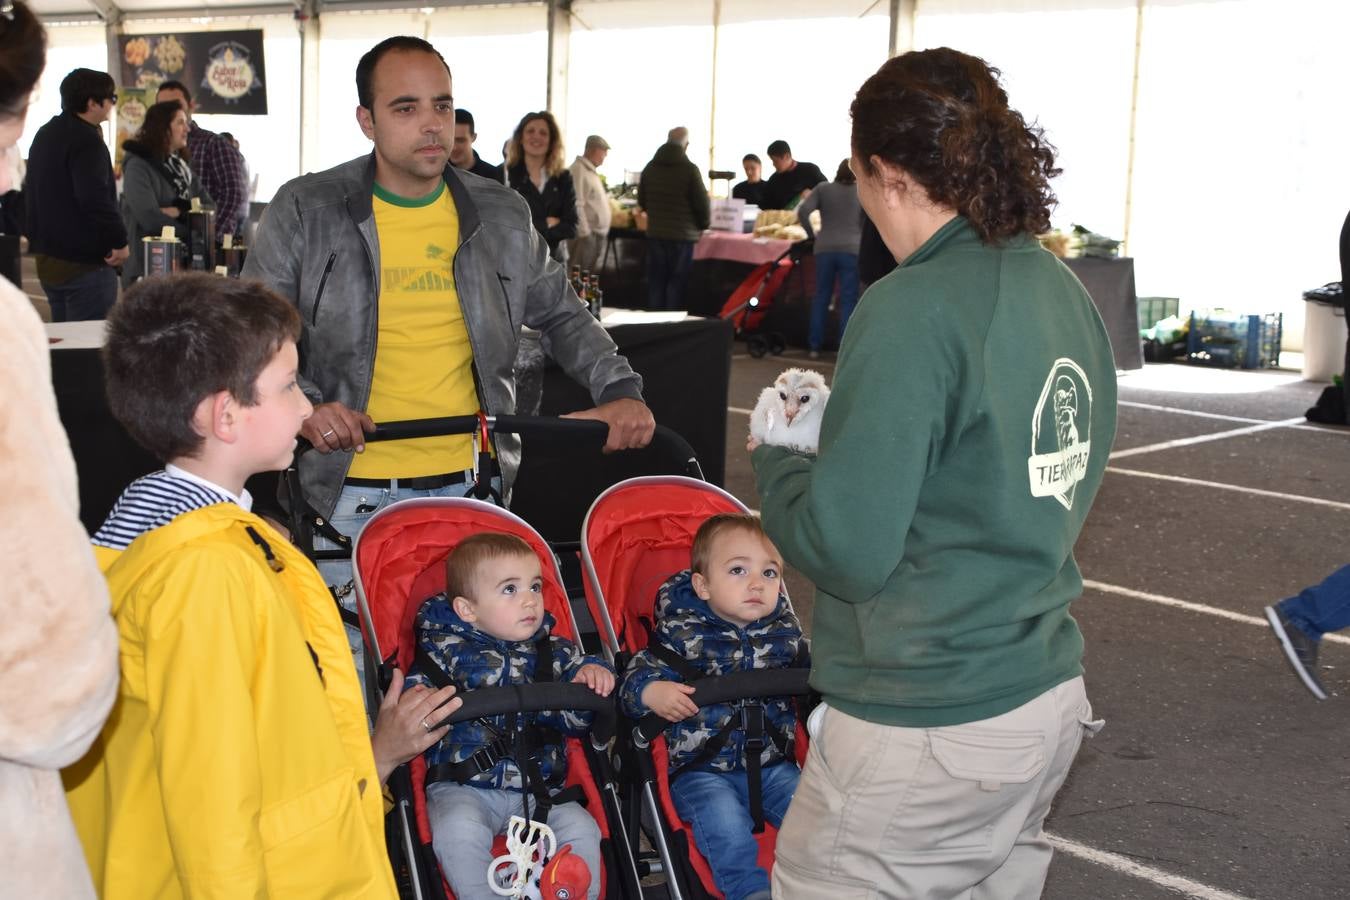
x=1187, y=412
x=1123, y=864
x=1218, y=485
x=1189, y=606
x=1205, y=438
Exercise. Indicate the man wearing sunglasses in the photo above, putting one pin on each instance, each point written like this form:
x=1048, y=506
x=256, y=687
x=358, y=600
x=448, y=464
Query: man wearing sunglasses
x=75, y=231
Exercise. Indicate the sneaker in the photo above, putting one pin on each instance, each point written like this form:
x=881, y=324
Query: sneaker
x=1300, y=649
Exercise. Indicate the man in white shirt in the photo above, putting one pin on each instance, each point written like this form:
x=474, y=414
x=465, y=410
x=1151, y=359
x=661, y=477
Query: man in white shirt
x=587, y=249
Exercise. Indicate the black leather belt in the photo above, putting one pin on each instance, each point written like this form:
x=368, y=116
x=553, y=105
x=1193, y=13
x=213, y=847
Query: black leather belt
x=419, y=483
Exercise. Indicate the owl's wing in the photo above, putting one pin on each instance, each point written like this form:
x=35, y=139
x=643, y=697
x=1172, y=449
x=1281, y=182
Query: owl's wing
x=762, y=417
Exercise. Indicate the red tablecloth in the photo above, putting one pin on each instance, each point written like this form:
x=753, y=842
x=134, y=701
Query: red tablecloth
x=745, y=248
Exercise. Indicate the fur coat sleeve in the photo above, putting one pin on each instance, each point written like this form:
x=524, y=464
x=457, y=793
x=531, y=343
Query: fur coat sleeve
x=58, y=644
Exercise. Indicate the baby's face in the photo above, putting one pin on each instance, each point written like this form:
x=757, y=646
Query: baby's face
x=743, y=578
x=508, y=598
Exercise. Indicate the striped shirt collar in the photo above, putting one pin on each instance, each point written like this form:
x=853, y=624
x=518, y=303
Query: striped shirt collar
x=245, y=499
x=157, y=499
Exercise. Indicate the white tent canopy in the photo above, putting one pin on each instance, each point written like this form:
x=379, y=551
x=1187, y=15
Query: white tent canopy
x=1206, y=131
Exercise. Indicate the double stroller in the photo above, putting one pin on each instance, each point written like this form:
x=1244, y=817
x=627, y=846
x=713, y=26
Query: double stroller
x=636, y=534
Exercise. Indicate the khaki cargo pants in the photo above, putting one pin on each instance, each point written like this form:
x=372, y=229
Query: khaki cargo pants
x=950, y=813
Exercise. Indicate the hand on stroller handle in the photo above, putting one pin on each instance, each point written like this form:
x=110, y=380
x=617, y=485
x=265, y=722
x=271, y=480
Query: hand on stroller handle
x=545, y=428
x=727, y=688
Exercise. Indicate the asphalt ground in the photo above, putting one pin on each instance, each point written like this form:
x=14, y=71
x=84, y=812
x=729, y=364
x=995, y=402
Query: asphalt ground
x=1217, y=775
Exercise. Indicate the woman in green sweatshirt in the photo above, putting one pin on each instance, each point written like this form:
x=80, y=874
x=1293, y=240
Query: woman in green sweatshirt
x=972, y=412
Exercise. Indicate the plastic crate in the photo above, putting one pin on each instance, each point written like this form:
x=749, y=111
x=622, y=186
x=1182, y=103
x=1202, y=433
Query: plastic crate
x=1232, y=341
x=1153, y=310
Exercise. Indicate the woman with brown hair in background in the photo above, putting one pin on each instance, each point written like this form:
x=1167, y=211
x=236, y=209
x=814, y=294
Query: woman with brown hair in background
x=971, y=415
x=158, y=183
x=58, y=646
x=535, y=170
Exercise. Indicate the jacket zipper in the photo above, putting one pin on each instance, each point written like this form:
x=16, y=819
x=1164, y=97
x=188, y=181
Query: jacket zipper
x=506, y=298
x=323, y=282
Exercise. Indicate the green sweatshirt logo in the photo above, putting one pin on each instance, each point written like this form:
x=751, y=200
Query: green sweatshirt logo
x=1061, y=433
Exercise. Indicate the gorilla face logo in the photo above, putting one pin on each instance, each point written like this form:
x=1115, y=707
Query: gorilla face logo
x=1066, y=411
x=1061, y=424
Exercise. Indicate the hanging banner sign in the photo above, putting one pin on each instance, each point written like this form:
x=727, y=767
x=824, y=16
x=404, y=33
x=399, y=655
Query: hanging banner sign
x=223, y=69
x=131, y=106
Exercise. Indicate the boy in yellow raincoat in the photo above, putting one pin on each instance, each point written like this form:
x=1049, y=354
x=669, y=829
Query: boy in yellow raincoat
x=237, y=761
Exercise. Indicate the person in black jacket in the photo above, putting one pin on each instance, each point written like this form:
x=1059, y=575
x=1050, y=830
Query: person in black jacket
x=74, y=229
x=535, y=169
x=462, y=153
x=751, y=190
x=673, y=194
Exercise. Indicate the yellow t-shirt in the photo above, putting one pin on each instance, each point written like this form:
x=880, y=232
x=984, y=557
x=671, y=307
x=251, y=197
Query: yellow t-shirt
x=423, y=359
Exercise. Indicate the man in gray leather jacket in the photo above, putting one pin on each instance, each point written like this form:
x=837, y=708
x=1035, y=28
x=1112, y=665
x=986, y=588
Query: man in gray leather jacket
x=318, y=245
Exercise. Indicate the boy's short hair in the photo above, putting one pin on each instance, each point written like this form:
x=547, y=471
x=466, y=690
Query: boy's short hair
x=715, y=527
x=462, y=564
x=750, y=157
x=174, y=340
x=779, y=149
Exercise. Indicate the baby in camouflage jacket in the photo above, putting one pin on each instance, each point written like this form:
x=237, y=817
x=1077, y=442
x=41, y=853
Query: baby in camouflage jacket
x=726, y=614
x=488, y=629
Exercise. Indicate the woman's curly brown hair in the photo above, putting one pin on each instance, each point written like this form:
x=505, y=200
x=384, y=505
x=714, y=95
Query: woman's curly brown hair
x=941, y=116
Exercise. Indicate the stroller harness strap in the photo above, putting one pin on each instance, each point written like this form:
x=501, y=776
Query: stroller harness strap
x=520, y=742
x=759, y=731
x=749, y=716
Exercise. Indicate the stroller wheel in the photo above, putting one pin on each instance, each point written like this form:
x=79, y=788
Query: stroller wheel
x=777, y=343
x=757, y=346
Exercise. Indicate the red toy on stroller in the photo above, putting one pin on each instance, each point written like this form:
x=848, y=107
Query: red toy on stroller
x=636, y=535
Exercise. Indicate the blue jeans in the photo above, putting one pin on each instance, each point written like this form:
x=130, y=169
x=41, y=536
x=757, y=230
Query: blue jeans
x=667, y=271
x=828, y=265
x=83, y=298
x=1322, y=608
x=716, y=805
x=337, y=573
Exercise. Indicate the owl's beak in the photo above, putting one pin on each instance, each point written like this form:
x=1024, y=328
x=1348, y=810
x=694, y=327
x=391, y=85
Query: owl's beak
x=791, y=412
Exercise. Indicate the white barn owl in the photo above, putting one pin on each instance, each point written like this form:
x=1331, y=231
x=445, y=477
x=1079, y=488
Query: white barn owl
x=788, y=413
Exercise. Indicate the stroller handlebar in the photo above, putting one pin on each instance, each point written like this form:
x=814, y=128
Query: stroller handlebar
x=736, y=686
x=538, y=697
x=546, y=428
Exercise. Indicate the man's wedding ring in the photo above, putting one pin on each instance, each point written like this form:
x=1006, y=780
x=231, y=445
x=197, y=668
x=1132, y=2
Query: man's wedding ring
x=328, y=433
x=426, y=726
